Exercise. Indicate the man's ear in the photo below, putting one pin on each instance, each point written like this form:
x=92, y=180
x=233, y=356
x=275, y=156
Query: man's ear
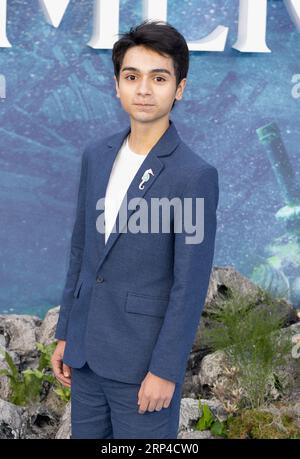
x=180, y=89
x=117, y=86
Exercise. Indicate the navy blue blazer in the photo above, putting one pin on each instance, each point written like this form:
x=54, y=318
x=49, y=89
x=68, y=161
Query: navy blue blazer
x=133, y=305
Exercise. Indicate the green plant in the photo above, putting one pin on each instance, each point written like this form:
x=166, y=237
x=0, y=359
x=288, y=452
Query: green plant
x=46, y=351
x=271, y=423
x=63, y=392
x=26, y=386
x=208, y=421
x=262, y=424
x=250, y=337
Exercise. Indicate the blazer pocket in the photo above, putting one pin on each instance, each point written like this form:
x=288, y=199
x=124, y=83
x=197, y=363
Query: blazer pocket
x=78, y=287
x=148, y=305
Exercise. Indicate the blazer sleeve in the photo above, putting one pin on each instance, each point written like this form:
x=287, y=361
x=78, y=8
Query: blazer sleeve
x=76, y=254
x=192, y=269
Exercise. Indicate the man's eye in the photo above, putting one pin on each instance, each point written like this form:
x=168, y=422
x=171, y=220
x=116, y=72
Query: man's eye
x=160, y=78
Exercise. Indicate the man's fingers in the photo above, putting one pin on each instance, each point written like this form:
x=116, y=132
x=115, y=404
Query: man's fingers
x=155, y=405
x=140, y=394
x=66, y=370
x=62, y=372
x=159, y=406
x=144, y=402
x=57, y=365
x=64, y=382
x=152, y=405
x=166, y=403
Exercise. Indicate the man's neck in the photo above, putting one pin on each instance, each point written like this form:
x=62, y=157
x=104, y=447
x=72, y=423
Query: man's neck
x=144, y=136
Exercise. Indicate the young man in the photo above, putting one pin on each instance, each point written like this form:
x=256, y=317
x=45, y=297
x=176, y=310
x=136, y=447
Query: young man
x=133, y=299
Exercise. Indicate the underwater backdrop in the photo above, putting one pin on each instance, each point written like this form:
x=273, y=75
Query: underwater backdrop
x=240, y=111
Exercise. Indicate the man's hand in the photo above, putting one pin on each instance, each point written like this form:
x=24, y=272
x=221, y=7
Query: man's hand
x=155, y=393
x=61, y=371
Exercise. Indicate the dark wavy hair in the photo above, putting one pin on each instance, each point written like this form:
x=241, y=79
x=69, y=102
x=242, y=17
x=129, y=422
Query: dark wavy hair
x=159, y=36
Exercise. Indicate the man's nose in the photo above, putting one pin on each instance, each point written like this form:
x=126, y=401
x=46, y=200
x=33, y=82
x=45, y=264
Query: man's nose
x=144, y=86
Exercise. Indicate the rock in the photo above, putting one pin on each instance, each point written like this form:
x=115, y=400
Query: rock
x=45, y=333
x=5, y=390
x=206, y=370
x=295, y=328
x=222, y=281
x=216, y=408
x=224, y=278
x=191, y=387
x=285, y=310
x=64, y=430
x=211, y=368
x=54, y=404
x=216, y=374
x=19, y=336
x=190, y=411
x=42, y=423
x=196, y=434
x=12, y=421
x=289, y=372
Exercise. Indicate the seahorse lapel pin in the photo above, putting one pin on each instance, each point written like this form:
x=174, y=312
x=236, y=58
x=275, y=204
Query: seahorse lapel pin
x=145, y=178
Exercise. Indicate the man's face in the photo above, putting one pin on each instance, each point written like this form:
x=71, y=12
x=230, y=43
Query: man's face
x=147, y=84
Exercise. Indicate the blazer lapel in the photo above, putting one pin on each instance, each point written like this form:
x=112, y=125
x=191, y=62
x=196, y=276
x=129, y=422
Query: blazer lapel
x=103, y=173
x=165, y=146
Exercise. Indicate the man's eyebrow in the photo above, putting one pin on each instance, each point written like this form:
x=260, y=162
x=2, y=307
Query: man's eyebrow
x=159, y=70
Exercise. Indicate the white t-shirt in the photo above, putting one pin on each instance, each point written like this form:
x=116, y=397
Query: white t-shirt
x=124, y=168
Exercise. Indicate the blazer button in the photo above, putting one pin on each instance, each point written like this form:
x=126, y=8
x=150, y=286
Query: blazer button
x=99, y=279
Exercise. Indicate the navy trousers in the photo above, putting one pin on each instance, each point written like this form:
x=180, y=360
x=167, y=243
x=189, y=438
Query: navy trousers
x=106, y=408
